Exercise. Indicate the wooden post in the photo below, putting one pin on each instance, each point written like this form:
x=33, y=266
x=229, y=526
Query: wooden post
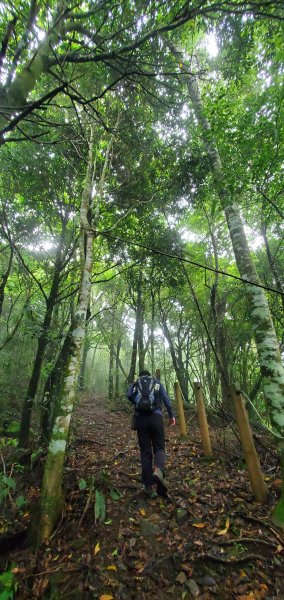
x=181, y=418
x=158, y=374
x=202, y=419
x=258, y=484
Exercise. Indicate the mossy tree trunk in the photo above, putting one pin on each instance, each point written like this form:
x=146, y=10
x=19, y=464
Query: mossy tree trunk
x=111, y=359
x=51, y=493
x=5, y=277
x=14, y=95
x=42, y=342
x=261, y=321
x=272, y=263
x=52, y=500
x=52, y=389
x=117, y=367
x=175, y=359
x=218, y=308
x=82, y=376
x=140, y=317
x=134, y=350
x=152, y=331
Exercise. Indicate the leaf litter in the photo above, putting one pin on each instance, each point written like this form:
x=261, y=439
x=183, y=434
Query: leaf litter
x=208, y=539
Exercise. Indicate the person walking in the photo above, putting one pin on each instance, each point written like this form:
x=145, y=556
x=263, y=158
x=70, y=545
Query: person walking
x=147, y=395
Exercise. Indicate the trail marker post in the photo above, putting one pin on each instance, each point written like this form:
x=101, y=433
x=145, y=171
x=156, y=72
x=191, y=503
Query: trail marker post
x=181, y=417
x=202, y=419
x=256, y=478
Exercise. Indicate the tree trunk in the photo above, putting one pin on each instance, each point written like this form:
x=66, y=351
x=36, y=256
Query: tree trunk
x=178, y=370
x=264, y=333
x=5, y=279
x=51, y=493
x=183, y=374
x=218, y=312
x=133, y=359
x=117, y=367
x=152, y=337
x=140, y=317
x=272, y=264
x=41, y=348
x=15, y=95
x=111, y=363
x=82, y=376
x=218, y=308
x=52, y=389
x=52, y=500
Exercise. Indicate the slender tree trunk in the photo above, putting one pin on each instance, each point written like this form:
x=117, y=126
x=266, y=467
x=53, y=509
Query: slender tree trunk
x=82, y=376
x=165, y=369
x=140, y=316
x=182, y=371
x=90, y=378
x=264, y=333
x=152, y=337
x=14, y=95
x=213, y=383
x=5, y=277
x=272, y=264
x=41, y=348
x=134, y=351
x=178, y=371
x=117, y=367
x=52, y=389
x=52, y=500
x=218, y=311
x=111, y=363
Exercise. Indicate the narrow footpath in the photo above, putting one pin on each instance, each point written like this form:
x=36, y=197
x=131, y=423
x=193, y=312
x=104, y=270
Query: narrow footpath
x=209, y=539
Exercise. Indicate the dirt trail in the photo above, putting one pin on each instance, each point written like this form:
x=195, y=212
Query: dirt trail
x=208, y=540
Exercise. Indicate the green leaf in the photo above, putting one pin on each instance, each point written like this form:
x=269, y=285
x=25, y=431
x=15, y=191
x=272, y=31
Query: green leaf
x=14, y=427
x=21, y=501
x=8, y=586
x=9, y=482
x=115, y=495
x=100, y=507
x=82, y=484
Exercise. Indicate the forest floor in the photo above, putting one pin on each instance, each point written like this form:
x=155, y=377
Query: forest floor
x=208, y=539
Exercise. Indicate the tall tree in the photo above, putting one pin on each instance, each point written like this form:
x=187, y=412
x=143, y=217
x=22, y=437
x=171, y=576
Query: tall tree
x=264, y=333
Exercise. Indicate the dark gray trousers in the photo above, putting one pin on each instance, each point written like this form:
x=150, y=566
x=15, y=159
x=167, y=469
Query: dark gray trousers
x=151, y=438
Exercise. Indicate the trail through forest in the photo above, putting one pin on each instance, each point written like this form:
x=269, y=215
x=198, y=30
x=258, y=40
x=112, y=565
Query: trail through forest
x=209, y=539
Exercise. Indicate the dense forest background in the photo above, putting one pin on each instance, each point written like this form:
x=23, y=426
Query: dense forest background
x=141, y=199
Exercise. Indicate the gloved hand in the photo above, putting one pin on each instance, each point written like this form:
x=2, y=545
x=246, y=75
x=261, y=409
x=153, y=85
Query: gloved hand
x=172, y=421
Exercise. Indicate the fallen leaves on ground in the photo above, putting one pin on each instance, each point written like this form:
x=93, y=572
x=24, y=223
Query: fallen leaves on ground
x=209, y=539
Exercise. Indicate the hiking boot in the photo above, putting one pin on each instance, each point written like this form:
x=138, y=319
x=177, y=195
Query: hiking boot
x=150, y=492
x=161, y=491
x=159, y=478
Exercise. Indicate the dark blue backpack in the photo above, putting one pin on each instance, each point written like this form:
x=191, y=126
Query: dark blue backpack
x=145, y=397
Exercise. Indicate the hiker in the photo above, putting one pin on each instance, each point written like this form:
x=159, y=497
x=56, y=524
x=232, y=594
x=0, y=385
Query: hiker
x=147, y=395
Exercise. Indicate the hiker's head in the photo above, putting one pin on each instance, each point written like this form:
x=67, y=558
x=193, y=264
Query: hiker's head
x=145, y=372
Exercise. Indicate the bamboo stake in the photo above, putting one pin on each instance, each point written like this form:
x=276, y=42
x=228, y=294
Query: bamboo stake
x=202, y=419
x=181, y=418
x=258, y=484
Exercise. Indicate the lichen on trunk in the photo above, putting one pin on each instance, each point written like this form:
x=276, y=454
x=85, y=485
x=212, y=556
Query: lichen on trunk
x=52, y=500
x=264, y=333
